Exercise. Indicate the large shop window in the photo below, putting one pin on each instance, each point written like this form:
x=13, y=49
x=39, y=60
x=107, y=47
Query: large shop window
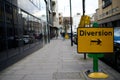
x=3, y=54
x=25, y=26
x=11, y=22
x=2, y=28
x=37, y=30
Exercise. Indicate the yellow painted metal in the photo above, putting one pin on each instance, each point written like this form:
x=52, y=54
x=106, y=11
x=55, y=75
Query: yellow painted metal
x=98, y=75
x=85, y=20
x=66, y=36
x=95, y=40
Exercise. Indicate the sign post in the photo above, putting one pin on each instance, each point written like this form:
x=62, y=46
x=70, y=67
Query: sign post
x=95, y=41
x=95, y=56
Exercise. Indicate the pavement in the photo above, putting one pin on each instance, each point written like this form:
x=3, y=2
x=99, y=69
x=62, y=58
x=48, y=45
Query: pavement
x=57, y=60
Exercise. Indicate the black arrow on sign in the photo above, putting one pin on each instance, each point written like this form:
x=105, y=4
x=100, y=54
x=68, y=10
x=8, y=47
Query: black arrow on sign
x=98, y=41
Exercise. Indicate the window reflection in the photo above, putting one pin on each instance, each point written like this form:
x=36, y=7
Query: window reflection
x=9, y=24
x=25, y=28
x=36, y=3
x=18, y=28
x=32, y=29
x=2, y=29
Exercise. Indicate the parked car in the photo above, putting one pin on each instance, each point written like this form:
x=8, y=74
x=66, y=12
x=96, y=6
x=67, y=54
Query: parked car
x=26, y=39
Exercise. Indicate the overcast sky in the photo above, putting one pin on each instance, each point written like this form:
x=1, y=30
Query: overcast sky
x=90, y=6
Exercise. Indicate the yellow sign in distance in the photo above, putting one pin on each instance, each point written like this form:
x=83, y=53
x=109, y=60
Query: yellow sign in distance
x=95, y=40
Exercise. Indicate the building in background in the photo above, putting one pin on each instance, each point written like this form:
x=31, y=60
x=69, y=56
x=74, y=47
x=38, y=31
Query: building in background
x=109, y=13
x=67, y=25
x=49, y=18
x=54, y=29
x=61, y=23
x=76, y=21
x=55, y=13
x=96, y=15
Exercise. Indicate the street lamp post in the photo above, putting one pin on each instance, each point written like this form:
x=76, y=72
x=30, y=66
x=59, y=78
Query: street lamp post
x=83, y=7
x=84, y=25
x=71, y=23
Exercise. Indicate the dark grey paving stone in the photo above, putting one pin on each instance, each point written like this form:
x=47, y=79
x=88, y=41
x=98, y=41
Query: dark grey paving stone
x=67, y=75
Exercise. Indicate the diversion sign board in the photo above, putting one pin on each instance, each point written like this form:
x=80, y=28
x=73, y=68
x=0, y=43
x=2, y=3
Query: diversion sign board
x=95, y=40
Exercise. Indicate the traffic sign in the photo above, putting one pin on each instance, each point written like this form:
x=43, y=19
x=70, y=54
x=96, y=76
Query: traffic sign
x=95, y=40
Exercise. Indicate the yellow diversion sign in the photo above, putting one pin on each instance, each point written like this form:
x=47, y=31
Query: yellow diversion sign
x=95, y=40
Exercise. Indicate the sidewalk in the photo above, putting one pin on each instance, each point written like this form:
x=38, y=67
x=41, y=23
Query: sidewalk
x=55, y=61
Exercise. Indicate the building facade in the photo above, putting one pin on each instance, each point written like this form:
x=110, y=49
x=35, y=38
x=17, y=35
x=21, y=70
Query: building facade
x=54, y=29
x=21, y=29
x=109, y=13
x=76, y=21
x=61, y=22
x=55, y=13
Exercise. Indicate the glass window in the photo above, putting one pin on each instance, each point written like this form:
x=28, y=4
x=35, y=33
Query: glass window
x=16, y=28
x=7, y=31
x=35, y=3
x=31, y=29
x=106, y=3
x=117, y=35
x=38, y=29
x=2, y=29
x=1, y=12
x=9, y=25
x=26, y=37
